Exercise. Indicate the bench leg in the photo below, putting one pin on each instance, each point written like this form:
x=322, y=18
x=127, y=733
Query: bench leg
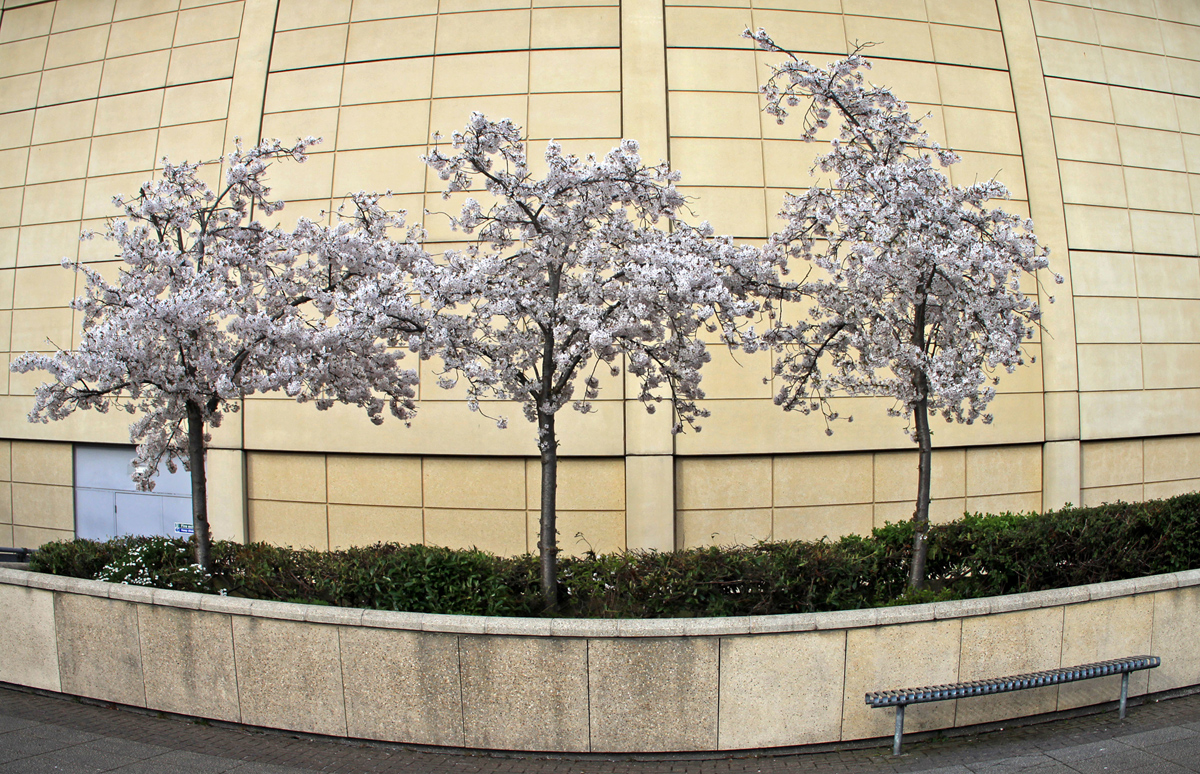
x=899, y=729
x=1124, y=692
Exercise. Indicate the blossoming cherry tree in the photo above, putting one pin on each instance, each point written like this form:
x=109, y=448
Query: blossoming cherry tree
x=567, y=274
x=211, y=306
x=918, y=293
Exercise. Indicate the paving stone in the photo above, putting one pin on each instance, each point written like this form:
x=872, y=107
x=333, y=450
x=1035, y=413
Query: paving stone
x=1130, y=760
x=22, y=744
x=1158, y=736
x=1182, y=751
x=155, y=766
x=135, y=750
x=151, y=745
x=267, y=768
x=8, y=724
x=188, y=762
x=1010, y=765
x=42, y=765
x=1086, y=751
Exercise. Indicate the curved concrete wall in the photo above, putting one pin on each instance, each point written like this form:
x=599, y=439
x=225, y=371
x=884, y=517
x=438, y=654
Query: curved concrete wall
x=583, y=685
x=1091, y=116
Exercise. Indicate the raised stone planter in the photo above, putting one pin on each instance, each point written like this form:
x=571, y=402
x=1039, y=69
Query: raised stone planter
x=582, y=685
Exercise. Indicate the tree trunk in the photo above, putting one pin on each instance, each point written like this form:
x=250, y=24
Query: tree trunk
x=199, y=487
x=920, y=549
x=916, y=578
x=548, y=542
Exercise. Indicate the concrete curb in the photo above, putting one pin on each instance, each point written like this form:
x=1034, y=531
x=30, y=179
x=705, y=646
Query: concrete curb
x=616, y=628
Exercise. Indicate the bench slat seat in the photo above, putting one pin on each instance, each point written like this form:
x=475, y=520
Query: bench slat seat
x=902, y=697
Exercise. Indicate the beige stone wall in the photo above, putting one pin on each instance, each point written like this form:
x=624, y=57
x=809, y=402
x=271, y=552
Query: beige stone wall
x=585, y=685
x=1124, y=92
x=41, y=503
x=732, y=500
x=1140, y=469
x=1090, y=117
x=337, y=501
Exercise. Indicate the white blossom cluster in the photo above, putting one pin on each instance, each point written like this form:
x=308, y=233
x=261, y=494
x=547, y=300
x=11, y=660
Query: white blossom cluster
x=567, y=274
x=918, y=292
x=211, y=306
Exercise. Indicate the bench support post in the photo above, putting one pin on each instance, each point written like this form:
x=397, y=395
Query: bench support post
x=1124, y=692
x=899, y=729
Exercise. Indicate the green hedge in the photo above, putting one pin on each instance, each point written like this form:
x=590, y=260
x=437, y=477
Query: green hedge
x=975, y=556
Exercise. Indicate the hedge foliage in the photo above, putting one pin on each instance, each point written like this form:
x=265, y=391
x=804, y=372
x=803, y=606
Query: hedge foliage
x=976, y=556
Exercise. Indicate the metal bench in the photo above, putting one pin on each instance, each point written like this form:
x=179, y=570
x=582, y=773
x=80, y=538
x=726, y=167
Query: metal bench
x=902, y=698
x=14, y=554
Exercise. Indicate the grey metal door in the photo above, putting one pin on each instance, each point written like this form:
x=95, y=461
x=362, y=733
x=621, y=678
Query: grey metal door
x=108, y=505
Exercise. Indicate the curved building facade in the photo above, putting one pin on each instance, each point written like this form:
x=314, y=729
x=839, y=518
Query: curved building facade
x=1088, y=112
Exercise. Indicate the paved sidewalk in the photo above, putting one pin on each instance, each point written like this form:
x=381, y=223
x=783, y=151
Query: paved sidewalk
x=53, y=734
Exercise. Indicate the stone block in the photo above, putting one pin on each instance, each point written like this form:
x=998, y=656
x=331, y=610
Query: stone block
x=128, y=593
x=226, y=474
x=653, y=695
x=651, y=507
x=520, y=627
x=525, y=693
x=34, y=462
x=28, y=646
x=500, y=532
x=303, y=89
x=187, y=660
x=47, y=507
x=1176, y=631
x=477, y=74
x=896, y=475
x=940, y=511
x=735, y=527
x=474, y=483
x=300, y=525
x=818, y=521
x=780, y=690
x=710, y=483
x=1169, y=366
x=197, y=102
x=459, y=33
x=312, y=47
x=364, y=525
x=967, y=46
x=292, y=477
x=289, y=675
x=891, y=657
x=575, y=28
x=584, y=484
x=28, y=22
x=559, y=71
x=1028, y=502
x=1111, y=463
x=581, y=531
x=823, y=479
x=1168, y=459
x=1009, y=644
x=99, y=655
x=1003, y=470
x=1097, y=631
x=402, y=686
x=374, y=480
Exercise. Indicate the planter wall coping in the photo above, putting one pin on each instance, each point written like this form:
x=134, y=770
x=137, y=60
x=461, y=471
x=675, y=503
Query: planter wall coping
x=601, y=627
